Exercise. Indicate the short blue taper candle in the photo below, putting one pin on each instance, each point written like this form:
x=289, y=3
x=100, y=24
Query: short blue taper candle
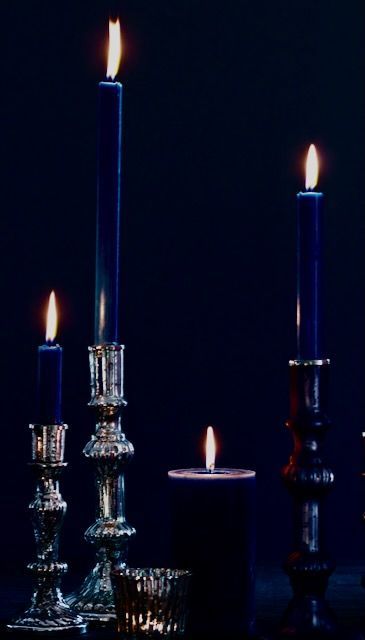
x=49, y=378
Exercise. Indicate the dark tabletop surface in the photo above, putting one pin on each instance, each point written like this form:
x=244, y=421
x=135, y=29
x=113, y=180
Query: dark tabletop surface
x=272, y=593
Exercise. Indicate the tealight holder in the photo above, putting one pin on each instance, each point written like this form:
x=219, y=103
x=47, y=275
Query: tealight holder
x=309, y=480
x=110, y=452
x=151, y=602
x=48, y=611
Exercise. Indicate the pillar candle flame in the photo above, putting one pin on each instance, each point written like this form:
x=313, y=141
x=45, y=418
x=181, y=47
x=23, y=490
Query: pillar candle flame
x=210, y=450
x=115, y=49
x=51, y=330
x=311, y=174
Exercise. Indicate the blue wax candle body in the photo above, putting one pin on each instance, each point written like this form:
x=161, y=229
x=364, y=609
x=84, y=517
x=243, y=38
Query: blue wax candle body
x=49, y=384
x=214, y=534
x=309, y=275
x=108, y=213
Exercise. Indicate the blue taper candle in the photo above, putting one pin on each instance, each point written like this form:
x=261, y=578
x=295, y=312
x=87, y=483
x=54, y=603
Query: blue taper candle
x=309, y=264
x=108, y=197
x=49, y=382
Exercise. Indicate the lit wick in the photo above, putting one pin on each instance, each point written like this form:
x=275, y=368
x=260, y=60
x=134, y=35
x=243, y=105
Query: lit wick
x=114, y=50
x=51, y=326
x=210, y=450
x=311, y=169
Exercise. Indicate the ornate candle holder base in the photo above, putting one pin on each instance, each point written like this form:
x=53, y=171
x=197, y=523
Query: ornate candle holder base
x=48, y=611
x=110, y=451
x=308, y=614
x=95, y=598
x=308, y=479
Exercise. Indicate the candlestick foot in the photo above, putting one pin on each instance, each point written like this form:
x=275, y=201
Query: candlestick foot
x=308, y=614
x=49, y=613
x=307, y=619
x=95, y=598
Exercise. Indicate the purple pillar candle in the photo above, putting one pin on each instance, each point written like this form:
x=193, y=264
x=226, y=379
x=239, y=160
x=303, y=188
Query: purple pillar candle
x=309, y=265
x=213, y=534
x=49, y=380
x=108, y=197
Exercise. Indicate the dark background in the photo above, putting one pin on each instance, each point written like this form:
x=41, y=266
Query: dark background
x=221, y=102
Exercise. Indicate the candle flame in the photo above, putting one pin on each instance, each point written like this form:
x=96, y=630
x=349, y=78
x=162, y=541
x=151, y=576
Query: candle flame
x=210, y=450
x=51, y=318
x=115, y=49
x=311, y=174
x=102, y=308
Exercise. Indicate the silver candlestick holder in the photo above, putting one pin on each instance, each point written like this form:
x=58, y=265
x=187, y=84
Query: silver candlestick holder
x=110, y=452
x=48, y=611
x=309, y=480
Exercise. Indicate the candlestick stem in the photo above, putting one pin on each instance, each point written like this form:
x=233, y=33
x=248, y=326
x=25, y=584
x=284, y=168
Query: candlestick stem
x=308, y=479
x=48, y=611
x=110, y=451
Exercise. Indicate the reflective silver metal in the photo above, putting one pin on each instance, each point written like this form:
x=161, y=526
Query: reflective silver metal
x=48, y=611
x=309, y=479
x=151, y=602
x=309, y=363
x=110, y=451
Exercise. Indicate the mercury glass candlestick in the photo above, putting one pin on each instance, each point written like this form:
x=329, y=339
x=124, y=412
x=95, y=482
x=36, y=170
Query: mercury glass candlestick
x=110, y=451
x=308, y=479
x=48, y=611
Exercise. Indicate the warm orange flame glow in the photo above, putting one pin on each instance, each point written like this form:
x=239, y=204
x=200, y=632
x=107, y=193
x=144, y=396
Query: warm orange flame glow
x=311, y=174
x=115, y=49
x=51, y=318
x=210, y=450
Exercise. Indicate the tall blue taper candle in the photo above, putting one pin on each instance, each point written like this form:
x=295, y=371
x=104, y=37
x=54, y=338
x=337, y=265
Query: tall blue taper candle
x=108, y=197
x=49, y=382
x=309, y=265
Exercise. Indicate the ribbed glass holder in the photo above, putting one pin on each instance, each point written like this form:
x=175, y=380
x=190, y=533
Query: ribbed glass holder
x=151, y=603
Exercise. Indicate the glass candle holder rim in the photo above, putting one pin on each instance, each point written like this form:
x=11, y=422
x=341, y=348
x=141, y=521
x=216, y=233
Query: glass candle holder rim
x=222, y=473
x=145, y=573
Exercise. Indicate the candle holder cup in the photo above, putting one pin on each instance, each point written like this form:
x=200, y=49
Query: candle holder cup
x=110, y=452
x=48, y=612
x=308, y=479
x=151, y=602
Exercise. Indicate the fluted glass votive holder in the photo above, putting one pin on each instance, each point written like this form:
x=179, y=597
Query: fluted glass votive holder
x=151, y=603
